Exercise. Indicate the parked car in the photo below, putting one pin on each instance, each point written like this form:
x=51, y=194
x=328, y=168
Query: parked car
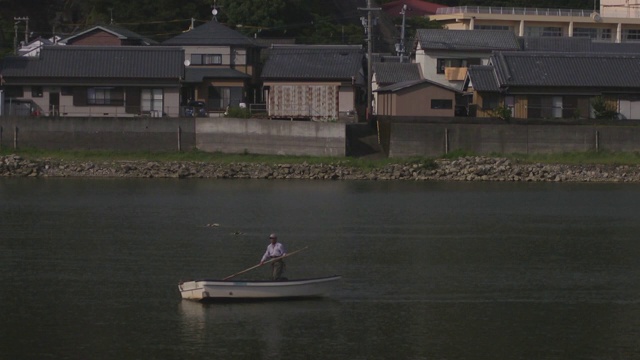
x=196, y=109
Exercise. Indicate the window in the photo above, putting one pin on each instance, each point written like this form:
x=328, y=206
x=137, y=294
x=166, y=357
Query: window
x=490, y=101
x=631, y=35
x=221, y=97
x=66, y=90
x=492, y=27
x=36, y=91
x=151, y=100
x=459, y=63
x=543, y=31
x=105, y=96
x=585, y=32
x=206, y=59
x=441, y=104
x=593, y=33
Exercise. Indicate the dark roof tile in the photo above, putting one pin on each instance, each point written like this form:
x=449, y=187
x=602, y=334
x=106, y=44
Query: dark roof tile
x=389, y=73
x=469, y=40
x=211, y=34
x=313, y=62
x=98, y=62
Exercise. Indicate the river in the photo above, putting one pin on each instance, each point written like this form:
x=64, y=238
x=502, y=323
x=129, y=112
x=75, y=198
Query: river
x=431, y=270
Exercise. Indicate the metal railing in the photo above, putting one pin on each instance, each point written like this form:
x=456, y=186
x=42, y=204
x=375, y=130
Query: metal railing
x=513, y=11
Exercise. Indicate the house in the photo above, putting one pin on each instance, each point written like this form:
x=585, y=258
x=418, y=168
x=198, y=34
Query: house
x=389, y=73
x=107, y=35
x=445, y=55
x=417, y=98
x=222, y=66
x=111, y=81
x=320, y=82
x=414, y=8
x=34, y=46
x=556, y=85
x=617, y=21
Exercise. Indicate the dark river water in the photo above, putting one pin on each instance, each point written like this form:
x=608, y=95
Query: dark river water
x=89, y=269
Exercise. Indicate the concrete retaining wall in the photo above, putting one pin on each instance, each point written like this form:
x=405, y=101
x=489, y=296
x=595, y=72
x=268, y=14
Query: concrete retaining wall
x=123, y=134
x=260, y=136
x=412, y=139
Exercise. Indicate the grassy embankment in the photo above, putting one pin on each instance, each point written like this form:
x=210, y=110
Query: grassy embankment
x=591, y=158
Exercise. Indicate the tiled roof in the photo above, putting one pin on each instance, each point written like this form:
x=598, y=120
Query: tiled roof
x=467, y=40
x=194, y=74
x=389, y=73
x=408, y=84
x=556, y=44
x=211, y=34
x=296, y=62
x=567, y=69
x=119, y=32
x=483, y=78
x=143, y=62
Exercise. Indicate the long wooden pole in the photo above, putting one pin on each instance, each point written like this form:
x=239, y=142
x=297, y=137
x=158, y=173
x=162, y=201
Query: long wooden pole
x=266, y=262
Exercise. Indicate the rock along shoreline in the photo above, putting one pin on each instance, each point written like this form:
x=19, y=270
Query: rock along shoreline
x=474, y=168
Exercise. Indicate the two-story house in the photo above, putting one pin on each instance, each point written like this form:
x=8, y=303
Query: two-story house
x=445, y=55
x=96, y=81
x=221, y=66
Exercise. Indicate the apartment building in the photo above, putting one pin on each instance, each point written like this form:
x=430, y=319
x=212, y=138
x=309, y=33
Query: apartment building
x=615, y=21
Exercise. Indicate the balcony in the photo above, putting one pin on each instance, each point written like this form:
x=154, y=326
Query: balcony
x=512, y=11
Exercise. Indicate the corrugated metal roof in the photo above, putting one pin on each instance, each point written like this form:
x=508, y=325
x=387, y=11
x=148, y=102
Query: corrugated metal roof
x=389, y=73
x=98, y=62
x=211, y=34
x=339, y=62
x=194, y=74
x=567, y=69
x=468, y=40
x=483, y=78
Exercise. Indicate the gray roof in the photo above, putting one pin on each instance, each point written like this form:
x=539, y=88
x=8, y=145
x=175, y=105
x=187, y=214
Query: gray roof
x=197, y=75
x=467, y=40
x=299, y=62
x=556, y=44
x=619, y=48
x=119, y=32
x=483, y=78
x=389, y=73
x=408, y=84
x=211, y=34
x=567, y=69
x=108, y=62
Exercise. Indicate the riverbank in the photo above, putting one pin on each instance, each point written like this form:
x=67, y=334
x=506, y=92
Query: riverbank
x=470, y=168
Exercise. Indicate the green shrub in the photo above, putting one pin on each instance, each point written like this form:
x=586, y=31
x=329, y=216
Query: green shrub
x=238, y=112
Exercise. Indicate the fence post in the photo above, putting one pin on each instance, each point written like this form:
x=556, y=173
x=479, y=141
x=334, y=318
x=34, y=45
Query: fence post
x=1, y=137
x=446, y=140
x=15, y=138
x=597, y=141
x=179, y=139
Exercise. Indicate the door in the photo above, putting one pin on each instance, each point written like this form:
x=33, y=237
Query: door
x=54, y=104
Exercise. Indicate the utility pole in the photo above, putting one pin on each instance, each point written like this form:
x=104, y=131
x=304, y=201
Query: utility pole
x=26, y=29
x=400, y=47
x=369, y=9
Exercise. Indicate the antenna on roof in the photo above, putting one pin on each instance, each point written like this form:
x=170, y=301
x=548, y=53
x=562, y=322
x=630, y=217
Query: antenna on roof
x=214, y=11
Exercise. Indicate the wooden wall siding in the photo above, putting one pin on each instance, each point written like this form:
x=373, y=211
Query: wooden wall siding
x=97, y=38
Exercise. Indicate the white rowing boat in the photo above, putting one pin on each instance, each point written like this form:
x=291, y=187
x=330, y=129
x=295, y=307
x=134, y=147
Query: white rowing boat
x=211, y=290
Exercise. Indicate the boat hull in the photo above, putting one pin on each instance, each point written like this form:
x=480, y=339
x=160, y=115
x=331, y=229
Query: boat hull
x=203, y=290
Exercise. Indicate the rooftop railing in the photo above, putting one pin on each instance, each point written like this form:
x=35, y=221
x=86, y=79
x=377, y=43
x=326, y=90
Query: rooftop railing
x=512, y=11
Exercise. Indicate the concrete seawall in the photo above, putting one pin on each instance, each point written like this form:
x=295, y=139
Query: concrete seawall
x=434, y=140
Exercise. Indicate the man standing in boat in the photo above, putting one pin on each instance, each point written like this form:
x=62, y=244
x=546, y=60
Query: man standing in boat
x=275, y=250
